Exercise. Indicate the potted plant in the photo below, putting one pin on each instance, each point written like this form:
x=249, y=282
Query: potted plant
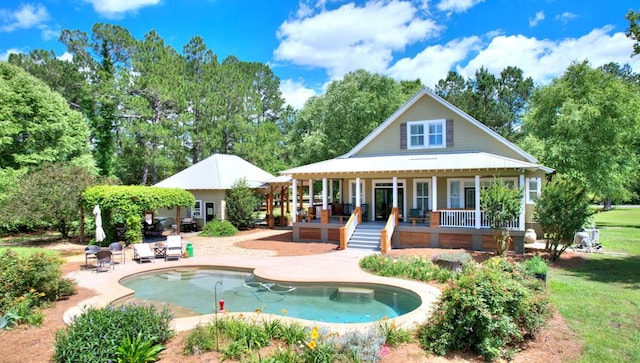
x=537, y=267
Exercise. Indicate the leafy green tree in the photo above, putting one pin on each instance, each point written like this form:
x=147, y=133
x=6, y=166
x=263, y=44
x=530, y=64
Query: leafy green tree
x=37, y=125
x=48, y=197
x=633, y=32
x=333, y=123
x=105, y=59
x=241, y=203
x=562, y=210
x=502, y=204
x=498, y=102
x=588, y=123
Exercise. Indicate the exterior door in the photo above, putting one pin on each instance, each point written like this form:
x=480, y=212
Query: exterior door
x=384, y=203
x=209, y=211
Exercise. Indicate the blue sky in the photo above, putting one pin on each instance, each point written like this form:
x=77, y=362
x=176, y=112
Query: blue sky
x=309, y=43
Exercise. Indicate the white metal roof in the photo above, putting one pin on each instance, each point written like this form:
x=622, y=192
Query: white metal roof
x=414, y=163
x=217, y=172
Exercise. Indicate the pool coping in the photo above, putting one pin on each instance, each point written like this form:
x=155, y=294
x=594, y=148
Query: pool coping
x=333, y=267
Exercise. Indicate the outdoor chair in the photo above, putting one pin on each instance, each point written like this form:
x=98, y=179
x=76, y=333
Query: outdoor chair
x=105, y=258
x=90, y=252
x=117, y=249
x=174, y=247
x=142, y=251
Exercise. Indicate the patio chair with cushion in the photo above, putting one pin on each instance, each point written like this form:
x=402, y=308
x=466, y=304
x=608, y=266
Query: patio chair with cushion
x=105, y=258
x=142, y=251
x=117, y=250
x=174, y=247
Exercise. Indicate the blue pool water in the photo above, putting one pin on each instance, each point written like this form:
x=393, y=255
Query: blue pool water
x=196, y=290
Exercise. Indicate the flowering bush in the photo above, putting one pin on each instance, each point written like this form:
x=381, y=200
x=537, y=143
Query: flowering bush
x=487, y=310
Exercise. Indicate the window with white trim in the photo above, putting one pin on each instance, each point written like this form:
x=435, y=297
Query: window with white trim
x=352, y=192
x=422, y=195
x=196, y=210
x=426, y=134
x=533, y=186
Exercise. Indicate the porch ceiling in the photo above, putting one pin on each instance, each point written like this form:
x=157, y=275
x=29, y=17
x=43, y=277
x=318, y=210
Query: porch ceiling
x=413, y=163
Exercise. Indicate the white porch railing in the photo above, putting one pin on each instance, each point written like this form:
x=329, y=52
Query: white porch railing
x=465, y=218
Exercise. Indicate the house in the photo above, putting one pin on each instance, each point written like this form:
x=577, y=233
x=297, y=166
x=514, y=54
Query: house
x=208, y=181
x=415, y=182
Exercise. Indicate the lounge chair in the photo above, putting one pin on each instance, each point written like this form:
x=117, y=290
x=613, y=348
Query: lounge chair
x=174, y=247
x=142, y=251
x=105, y=258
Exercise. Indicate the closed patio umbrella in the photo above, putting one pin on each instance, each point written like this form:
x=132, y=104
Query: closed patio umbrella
x=100, y=236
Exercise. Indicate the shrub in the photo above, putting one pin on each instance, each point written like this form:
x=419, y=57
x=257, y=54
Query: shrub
x=536, y=266
x=201, y=339
x=360, y=346
x=392, y=334
x=30, y=282
x=241, y=202
x=487, y=310
x=96, y=334
x=217, y=228
x=138, y=351
x=416, y=268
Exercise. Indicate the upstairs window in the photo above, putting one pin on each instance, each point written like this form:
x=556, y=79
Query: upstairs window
x=426, y=134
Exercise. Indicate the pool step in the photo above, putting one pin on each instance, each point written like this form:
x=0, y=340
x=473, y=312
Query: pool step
x=354, y=294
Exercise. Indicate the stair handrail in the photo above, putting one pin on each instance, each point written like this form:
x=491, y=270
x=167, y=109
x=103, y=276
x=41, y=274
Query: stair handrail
x=347, y=230
x=387, y=231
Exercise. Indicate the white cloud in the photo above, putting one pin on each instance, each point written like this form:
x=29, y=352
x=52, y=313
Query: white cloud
x=537, y=18
x=66, y=56
x=117, y=8
x=26, y=17
x=5, y=55
x=566, y=16
x=295, y=93
x=457, y=6
x=352, y=37
x=544, y=60
x=434, y=62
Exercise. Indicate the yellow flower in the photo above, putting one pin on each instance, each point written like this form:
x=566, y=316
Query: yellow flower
x=284, y=311
x=312, y=345
x=258, y=311
x=314, y=333
x=32, y=290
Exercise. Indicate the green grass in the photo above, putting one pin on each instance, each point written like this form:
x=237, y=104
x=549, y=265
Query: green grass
x=619, y=217
x=22, y=251
x=600, y=297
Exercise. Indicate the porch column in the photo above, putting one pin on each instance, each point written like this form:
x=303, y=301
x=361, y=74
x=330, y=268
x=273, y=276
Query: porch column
x=522, y=204
x=358, y=191
x=358, y=203
x=311, y=212
x=324, y=213
x=340, y=191
x=294, y=212
x=477, y=201
x=434, y=193
x=395, y=192
x=331, y=191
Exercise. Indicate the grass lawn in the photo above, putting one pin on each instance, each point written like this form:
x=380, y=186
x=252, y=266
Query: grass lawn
x=600, y=298
x=22, y=251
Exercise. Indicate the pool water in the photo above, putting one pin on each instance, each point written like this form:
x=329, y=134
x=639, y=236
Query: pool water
x=197, y=290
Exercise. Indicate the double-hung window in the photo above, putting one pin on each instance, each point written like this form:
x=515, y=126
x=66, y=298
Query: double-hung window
x=426, y=134
x=533, y=189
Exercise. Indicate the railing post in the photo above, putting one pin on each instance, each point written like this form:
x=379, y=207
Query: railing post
x=343, y=238
x=384, y=248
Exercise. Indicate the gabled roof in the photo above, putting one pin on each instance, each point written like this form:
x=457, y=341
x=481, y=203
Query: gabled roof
x=445, y=103
x=217, y=172
x=414, y=163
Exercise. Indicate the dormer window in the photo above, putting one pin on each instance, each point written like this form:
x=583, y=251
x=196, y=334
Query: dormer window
x=426, y=134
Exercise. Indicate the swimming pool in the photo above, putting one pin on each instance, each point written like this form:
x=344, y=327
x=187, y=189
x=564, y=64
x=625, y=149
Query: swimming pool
x=198, y=291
